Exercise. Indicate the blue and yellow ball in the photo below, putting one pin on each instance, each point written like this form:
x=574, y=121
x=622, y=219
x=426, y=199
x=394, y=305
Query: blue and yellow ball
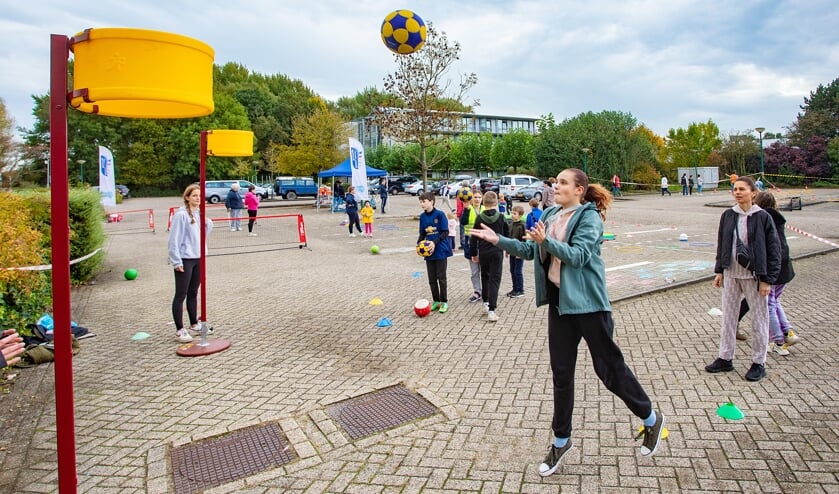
x=403, y=32
x=464, y=194
x=425, y=248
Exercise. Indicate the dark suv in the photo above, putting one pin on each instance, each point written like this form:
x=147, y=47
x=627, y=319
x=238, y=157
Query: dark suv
x=490, y=184
x=398, y=183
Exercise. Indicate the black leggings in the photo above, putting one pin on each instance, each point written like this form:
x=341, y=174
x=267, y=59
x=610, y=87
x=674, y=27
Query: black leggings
x=437, y=279
x=186, y=288
x=353, y=215
x=597, y=328
x=251, y=220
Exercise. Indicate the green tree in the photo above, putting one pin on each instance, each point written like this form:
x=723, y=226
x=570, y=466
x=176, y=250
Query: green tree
x=513, y=150
x=428, y=110
x=472, y=152
x=8, y=146
x=819, y=116
x=738, y=149
x=616, y=142
x=318, y=140
x=687, y=147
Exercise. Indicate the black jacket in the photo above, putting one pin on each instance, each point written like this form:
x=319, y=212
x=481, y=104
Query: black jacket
x=495, y=220
x=787, y=273
x=763, y=240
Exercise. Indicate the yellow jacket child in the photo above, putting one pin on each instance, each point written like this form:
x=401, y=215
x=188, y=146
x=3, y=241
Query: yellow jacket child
x=367, y=219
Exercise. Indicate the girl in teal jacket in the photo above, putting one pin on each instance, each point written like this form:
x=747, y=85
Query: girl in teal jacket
x=571, y=280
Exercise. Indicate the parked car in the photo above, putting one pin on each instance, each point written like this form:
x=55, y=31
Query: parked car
x=294, y=187
x=528, y=193
x=416, y=188
x=123, y=191
x=490, y=184
x=216, y=190
x=510, y=184
x=397, y=184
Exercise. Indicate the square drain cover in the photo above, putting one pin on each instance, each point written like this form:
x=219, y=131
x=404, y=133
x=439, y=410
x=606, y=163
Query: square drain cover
x=208, y=463
x=379, y=411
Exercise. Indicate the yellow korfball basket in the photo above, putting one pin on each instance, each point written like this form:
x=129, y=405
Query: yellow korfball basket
x=229, y=143
x=141, y=73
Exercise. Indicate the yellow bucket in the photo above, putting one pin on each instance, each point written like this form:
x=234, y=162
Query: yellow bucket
x=229, y=143
x=141, y=73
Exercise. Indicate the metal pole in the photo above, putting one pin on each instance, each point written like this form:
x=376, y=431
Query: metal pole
x=760, y=133
x=60, y=231
x=203, y=209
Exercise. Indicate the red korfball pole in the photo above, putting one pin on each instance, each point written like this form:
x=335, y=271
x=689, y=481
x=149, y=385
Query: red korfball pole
x=203, y=264
x=60, y=231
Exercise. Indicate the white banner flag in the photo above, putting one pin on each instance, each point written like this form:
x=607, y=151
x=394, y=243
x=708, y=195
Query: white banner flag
x=107, y=182
x=359, y=171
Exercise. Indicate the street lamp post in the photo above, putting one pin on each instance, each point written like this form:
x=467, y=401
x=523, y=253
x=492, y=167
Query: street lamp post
x=81, y=169
x=760, y=133
x=585, y=159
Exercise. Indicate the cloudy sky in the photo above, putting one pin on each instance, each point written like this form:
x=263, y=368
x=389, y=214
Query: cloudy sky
x=742, y=64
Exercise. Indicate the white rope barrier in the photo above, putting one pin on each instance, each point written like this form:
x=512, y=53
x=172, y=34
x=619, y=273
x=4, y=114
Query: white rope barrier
x=47, y=267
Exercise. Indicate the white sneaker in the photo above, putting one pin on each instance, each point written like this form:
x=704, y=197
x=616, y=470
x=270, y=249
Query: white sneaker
x=779, y=349
x=251, y=234
x=486, y=306
x=492, y=316
x=197, y=329
x=183, y=336
x=232, y=229
x=352, y=235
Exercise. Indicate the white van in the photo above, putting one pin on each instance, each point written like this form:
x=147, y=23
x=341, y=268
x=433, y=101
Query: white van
x=510, y=184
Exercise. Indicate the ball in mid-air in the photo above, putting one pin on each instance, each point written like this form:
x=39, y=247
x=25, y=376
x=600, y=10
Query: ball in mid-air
x=422, y=308
x=424, y=248
x=374, y=249
x=130, y=274
x=403, y=32
x=464, y=194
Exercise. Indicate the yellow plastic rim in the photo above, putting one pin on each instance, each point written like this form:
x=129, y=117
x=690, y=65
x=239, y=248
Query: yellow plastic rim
x=229, y=143
x=140, y=73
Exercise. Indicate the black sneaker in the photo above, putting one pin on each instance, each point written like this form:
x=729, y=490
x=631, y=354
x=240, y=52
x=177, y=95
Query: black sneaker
x=551, y=462
x=510, y=293
x=652, y=436
x=719, y=365
x=475, y=297
x=517, y=294
x=756, y=373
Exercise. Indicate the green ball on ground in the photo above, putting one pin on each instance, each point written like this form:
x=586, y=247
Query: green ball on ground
x=130, y=274
x=374, y=249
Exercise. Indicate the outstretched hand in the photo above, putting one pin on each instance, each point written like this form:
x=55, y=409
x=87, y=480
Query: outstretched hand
x=485, y=233
x=537, y=233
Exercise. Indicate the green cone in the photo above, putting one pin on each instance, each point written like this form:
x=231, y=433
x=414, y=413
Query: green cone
x=730, y=411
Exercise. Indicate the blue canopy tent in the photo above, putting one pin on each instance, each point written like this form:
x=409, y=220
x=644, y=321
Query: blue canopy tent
x=343, y=169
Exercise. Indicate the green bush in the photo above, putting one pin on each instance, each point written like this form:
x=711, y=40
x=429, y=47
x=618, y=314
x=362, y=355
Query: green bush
x=25, y=293
x=26, y=238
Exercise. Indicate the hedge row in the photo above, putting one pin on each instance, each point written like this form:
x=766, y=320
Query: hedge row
x=25, y=236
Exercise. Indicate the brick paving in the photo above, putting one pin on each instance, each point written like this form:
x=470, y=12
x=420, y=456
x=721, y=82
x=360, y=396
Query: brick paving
x=304, y=337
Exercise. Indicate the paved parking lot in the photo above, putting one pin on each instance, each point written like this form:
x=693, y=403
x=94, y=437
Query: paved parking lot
x=304, y=336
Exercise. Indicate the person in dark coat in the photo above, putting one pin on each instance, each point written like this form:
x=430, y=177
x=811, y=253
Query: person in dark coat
x=780, y=331
x=754, y=228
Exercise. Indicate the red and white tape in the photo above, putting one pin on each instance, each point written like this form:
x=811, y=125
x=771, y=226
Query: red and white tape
x=814, y=237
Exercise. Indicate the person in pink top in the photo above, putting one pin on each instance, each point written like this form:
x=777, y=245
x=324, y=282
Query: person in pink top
x=252, y=203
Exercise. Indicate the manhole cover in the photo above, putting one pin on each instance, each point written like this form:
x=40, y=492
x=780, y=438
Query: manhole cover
x=205, y=464
x=379, y=411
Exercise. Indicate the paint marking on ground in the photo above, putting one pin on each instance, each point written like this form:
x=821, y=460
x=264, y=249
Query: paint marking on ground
x=650, y=231
x=629, y=266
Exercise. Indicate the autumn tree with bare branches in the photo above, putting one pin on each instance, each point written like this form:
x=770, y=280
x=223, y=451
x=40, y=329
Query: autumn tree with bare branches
x=430, y=105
